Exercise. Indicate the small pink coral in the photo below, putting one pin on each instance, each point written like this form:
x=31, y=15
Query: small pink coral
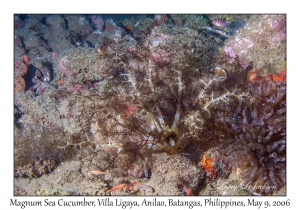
x=62, y=63
x=278, y=26
x=129, y=109
x=242, y=46
x=53, y=55
x=231, y=55
x=98, y=22
x=75, y=88
x=19, y=84
x=160, y=56
x=20, y=68
x=238, y=48
x=41, y=88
